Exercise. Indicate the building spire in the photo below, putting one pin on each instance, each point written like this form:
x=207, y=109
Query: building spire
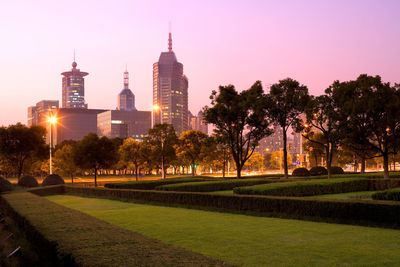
x=126, y=78
x=169, y=38
x=74, y=63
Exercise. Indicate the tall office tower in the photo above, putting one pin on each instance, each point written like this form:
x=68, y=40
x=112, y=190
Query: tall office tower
x=198, y=123
x=73, y=88
x=170, y=91
x=126, y=99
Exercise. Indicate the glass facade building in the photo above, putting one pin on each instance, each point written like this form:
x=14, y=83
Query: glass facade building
x=170, y=91
x=73, y=88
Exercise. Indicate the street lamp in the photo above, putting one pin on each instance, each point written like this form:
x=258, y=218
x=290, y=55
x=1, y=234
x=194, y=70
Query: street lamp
x=52, y=121
x=155, y=110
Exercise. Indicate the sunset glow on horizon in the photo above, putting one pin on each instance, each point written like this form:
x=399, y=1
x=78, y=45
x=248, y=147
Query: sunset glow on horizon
x=218, y=43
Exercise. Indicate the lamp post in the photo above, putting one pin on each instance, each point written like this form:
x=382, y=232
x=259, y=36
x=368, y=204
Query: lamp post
x=52, y=121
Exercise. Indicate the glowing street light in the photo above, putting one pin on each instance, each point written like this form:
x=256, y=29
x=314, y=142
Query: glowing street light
x=52, y=121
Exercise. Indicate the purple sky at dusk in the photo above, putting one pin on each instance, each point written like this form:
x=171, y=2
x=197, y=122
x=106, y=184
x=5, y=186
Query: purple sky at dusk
x=218, y=42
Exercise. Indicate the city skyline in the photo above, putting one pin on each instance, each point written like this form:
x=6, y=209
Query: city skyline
x=315, y=43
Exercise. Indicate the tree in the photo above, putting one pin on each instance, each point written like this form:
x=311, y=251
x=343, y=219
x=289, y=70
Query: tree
x=18, y=144
x=314, y=148
x=94, y=153
x=277, y=159
x=287, y=101
x=323, y=117
x=163, y=138
x=189, y=145
x=64, y=161
x=130, y=153
x=255, y=162
x=240, y=119
x=371, y=115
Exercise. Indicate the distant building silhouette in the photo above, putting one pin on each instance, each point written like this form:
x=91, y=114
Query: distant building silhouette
x=73, y=88
x=126, y=99
x=170, y=91
x=198, y=123
x=42, y=107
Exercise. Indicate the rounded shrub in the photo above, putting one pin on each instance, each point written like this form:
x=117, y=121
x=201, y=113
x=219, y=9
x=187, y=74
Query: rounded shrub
x=318, y=170
x=53, y=179
x=5, y=185
x=336, y=170
x=28, y=181
x=300, y=172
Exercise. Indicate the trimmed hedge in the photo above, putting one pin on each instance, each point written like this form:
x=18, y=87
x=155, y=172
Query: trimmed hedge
x=5, y=185
x=28, y=181
x=211, y=186
x=53, y=179
x=72, y=238
x=347, y=210
x=151, y=184
x=336, y=170
x=318, y=170
x=307, y=188
x=300, y=172
x=392, y=194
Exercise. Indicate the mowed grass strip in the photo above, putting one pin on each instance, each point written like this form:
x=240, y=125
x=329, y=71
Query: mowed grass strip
x=249, y=240
x=79, y=239
x=306, y=188
x=210, y=186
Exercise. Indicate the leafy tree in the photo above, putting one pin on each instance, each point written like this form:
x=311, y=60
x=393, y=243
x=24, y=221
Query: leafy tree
x=190, y=145
x=287, y=101
x=163, y=138
x=323, y=117
x=18, y=144
x=371, y=115
x=94, y=153
x=240, y=119
x=130, y=153
x=314, y=148
x=277, y=159
x=64, y=161
x=255, y=162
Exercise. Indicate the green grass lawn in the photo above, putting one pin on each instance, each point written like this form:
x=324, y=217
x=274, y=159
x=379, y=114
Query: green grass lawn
x=362, y=195
x=223, y=192
x=249, y=240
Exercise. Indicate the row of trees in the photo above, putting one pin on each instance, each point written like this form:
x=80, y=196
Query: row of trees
x=362, y=116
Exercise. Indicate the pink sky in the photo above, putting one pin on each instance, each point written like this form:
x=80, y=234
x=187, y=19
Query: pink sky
x=218, y=42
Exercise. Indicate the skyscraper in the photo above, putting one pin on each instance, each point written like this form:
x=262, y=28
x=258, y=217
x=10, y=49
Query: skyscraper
x=170, y=91
x=73, y=88
x=126, y=99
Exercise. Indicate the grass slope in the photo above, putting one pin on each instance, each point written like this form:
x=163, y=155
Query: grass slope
x=248, y=240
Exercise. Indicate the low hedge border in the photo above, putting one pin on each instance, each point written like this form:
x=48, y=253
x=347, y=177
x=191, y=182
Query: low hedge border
x=151, y=184
x=211, y=186
x=317, y=187
x=73, y=238
x=392, y=194
x=349, y=211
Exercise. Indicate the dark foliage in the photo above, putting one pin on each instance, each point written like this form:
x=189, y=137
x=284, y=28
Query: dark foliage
x=300, y=172
x=5, y=185
x=318, y=170
x=392, y=194
x=149, y=185
x=337, y=170
x=28, y=181
x=53, y=179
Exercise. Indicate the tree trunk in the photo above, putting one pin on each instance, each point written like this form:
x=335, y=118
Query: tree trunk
x=193, y=170
x=136, y=172
x=385, y=165
x=328, y=160
x=285, y=163
x=363, y=163
x=95, y=177
x=223, y=169
x=72, y=179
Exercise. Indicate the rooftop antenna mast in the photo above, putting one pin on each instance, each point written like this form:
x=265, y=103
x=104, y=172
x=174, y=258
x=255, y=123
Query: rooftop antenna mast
x=169, y=38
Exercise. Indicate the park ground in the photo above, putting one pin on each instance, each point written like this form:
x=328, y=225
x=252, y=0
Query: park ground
x=248, y=240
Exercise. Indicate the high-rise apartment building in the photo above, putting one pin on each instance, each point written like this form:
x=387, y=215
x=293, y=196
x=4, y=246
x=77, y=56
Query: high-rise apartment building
x=126, y=99
x=73, y=88
x=170, y=91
